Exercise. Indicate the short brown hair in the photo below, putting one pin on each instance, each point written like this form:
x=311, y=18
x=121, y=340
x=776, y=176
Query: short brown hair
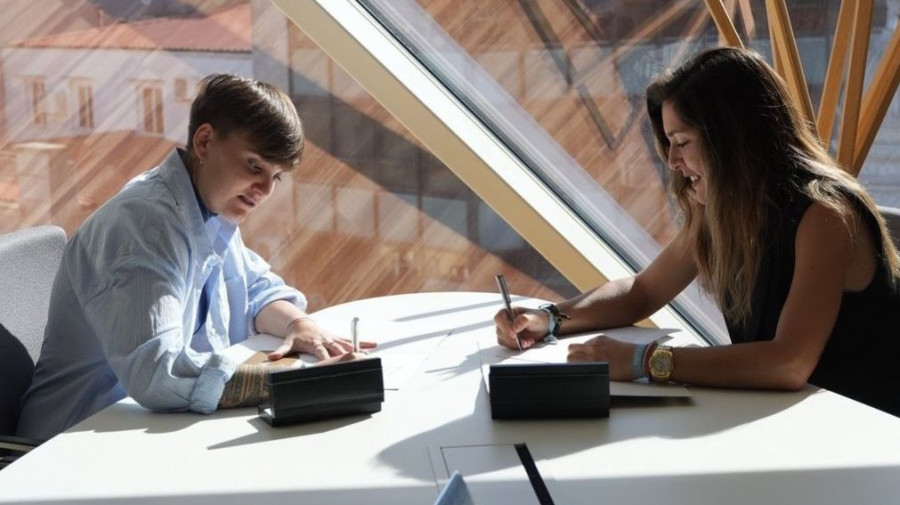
x=263, y=112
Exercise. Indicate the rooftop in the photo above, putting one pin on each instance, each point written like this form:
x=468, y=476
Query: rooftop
x=229, y=30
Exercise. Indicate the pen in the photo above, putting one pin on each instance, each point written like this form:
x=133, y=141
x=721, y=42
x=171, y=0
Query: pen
x=353, y=333
x=504, y=292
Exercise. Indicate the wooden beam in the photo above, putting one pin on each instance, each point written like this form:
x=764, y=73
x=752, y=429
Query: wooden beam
x=877, y=100
x=773, y=42
x=790, y=57
x=834, y=76
x=731, y=10
x=747, y=19
x=859, y=49
x=723, y=23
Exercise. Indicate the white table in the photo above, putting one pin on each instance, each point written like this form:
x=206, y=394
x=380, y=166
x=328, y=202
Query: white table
x=734, y=447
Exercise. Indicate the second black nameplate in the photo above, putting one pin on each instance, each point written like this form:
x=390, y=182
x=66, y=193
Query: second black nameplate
x=546, y=391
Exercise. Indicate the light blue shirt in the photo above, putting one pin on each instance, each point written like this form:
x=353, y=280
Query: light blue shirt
x=125, y=302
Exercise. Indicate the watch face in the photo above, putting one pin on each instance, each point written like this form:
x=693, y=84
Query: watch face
x=661, y=363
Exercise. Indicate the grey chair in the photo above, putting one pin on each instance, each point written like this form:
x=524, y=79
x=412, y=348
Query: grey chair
x=892, y=219
x=29, y=260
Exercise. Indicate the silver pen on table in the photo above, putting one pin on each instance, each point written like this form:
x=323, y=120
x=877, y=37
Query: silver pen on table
x=354, y=334
x=504, y=292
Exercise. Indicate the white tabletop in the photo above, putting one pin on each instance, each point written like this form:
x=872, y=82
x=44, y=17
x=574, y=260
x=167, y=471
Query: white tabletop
x=717, y=447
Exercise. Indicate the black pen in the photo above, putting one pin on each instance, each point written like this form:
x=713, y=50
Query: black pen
x=504, y=292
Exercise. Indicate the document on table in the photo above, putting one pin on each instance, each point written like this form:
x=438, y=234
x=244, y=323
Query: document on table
x=401, y=347
x=491, y=354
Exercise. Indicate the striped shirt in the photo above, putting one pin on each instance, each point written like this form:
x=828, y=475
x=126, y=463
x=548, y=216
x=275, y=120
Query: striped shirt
x=124, y=307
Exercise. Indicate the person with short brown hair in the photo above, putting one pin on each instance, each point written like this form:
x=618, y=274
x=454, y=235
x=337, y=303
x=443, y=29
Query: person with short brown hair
x=157, y=283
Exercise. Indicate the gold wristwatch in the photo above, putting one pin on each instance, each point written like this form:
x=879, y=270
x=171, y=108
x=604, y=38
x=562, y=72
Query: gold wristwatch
x=661, y=363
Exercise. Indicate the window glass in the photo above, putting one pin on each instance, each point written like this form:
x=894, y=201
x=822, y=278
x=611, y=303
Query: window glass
x=94, y=93
x=881, y=171
x=562, y=83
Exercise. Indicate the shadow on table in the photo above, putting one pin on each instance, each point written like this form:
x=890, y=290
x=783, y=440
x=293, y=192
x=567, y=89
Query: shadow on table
x=498, y=303
x=436, y=333
x=266, y=433
x=631, y=418
x=129, y=416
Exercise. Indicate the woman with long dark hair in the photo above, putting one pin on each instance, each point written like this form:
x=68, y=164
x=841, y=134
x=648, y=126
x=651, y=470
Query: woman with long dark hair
x=789, y=245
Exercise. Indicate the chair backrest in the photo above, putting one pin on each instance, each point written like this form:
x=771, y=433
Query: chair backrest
x=16, y=369
x=29, y=260
x=892, y=219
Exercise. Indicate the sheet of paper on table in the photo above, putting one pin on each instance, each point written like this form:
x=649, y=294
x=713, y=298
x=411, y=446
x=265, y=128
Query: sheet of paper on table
x=401, y=347
x=491, y=353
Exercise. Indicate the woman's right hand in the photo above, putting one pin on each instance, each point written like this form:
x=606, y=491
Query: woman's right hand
x=529, y=326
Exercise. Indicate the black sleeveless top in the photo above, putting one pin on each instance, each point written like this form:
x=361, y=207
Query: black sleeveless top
x=859, y=360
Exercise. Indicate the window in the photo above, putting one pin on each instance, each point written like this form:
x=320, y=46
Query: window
x=151, y=109
x=369, y=212
x=38, y=92
x=393, y=57
x=84, y=93
x=559, y=84
x=183, y=91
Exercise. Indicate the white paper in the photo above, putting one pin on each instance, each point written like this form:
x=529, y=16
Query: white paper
x=402, y=347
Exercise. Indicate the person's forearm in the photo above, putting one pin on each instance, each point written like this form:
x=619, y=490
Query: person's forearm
x=247, y=387
x=611, y=305
x=757, y=365
x=275, y=317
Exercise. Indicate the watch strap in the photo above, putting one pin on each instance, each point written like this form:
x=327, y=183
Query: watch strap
x=555, y=318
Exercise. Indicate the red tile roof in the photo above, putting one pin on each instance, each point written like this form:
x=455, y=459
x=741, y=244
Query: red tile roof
x=229, y=30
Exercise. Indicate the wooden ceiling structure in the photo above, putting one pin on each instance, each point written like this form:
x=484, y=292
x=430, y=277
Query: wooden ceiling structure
x=863, y=109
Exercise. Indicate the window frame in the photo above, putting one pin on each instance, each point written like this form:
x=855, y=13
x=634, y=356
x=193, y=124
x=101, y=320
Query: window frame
x=392, y=75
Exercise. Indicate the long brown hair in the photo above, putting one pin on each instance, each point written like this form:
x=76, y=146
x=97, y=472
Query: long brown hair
x=756, y=145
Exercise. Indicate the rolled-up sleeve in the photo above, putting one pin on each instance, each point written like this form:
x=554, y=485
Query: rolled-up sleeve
x=134, y=292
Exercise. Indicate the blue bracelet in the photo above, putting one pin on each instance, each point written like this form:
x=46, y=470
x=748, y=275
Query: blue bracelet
x=637, y=361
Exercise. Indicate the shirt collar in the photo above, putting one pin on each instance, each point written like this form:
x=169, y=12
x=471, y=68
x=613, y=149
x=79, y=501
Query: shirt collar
x=214, y=229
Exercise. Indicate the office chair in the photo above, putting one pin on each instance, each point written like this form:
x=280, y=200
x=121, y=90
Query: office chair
x=29, y=260
x=892, y=219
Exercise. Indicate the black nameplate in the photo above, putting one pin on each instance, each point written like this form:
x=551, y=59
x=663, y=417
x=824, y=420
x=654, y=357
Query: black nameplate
x=547, y=391
x=323, y=392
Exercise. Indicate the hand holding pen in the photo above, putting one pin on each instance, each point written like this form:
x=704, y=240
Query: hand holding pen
x=520, y=328
x=507, y=302
x=304, y=335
